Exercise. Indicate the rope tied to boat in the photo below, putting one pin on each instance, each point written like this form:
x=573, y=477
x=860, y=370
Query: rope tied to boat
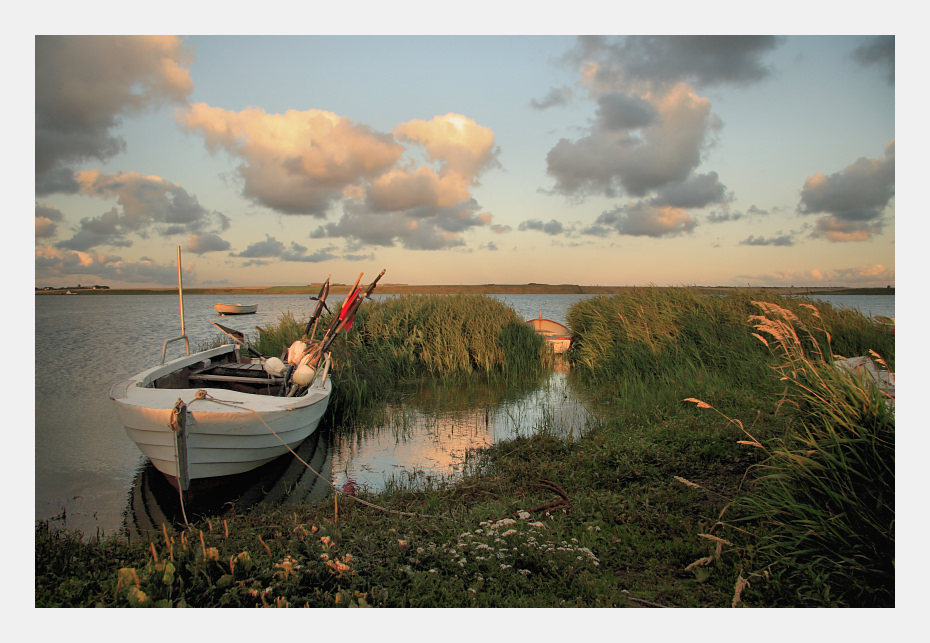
x=177, y=421
x=203, y=395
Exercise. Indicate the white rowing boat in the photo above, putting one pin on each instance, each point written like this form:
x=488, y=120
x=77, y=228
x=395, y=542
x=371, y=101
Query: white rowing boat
x=212, y=414
x=235, y=309
x=558, y=335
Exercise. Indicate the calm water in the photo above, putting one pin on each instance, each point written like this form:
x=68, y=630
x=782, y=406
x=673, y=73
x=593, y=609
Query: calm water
x=89, y=474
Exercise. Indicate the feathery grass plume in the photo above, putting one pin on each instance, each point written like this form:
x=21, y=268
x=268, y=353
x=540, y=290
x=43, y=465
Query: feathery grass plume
x=826, y=490
x=741, y=584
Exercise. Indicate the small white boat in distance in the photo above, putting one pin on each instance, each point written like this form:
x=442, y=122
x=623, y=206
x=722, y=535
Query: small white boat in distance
x=558, y=336
x=235, y=309
x=212, y=414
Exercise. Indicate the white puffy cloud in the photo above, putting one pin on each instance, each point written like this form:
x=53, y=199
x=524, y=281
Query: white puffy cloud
x=310, y=162
x=299, y=162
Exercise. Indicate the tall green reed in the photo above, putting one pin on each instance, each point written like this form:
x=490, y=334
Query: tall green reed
x=415, y=337
x=648, y=348
x=825, y=492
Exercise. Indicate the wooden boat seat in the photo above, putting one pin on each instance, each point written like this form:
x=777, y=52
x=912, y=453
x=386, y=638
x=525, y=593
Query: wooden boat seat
x=252, y=373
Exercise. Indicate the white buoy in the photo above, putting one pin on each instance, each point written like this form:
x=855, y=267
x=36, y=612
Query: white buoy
x=275, y=367
x=296, y=352
x=303, y=374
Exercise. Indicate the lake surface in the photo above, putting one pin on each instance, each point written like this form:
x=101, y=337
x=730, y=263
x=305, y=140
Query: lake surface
x=90, y=476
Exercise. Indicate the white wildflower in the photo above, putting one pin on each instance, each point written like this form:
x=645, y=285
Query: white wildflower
x=509, y=532
x=523, y=515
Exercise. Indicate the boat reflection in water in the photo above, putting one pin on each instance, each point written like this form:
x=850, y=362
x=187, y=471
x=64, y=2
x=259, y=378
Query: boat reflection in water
x=283, y=481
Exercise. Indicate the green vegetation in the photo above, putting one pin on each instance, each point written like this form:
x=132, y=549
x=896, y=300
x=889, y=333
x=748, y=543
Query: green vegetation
x=724, y=471
x=414, y=337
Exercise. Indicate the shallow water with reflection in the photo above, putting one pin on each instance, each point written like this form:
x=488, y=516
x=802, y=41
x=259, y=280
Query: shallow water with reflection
x=90, y=476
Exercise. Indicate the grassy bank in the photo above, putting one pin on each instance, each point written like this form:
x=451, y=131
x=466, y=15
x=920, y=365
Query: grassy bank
x=727, y=472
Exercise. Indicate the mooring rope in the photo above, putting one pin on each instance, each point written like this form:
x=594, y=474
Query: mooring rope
x=203, y=395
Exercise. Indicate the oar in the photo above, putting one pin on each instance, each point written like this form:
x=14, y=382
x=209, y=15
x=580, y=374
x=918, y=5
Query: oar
x=332, y=326
x=320, y=349
x=237, y=337
x=320, y=305
x=344, y=319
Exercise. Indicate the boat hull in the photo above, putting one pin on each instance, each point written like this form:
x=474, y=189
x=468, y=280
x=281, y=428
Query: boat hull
x=224, y=432
x=557, y=335
x=235, y=309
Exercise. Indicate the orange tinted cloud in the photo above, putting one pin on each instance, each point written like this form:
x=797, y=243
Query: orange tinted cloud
x=299, y=162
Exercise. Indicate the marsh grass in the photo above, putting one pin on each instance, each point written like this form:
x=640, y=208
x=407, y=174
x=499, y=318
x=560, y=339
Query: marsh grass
x=825, y=492
x=462, y=339
x=659, y=494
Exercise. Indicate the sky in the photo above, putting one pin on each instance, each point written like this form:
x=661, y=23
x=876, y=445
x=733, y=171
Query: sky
x=599, y=160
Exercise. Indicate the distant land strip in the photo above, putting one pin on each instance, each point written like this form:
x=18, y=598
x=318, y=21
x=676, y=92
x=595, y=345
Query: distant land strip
x=475, y=289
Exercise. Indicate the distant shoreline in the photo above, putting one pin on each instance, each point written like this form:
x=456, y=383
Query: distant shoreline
x=477, y=289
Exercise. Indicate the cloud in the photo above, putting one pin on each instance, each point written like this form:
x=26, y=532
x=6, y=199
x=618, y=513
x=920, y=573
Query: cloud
x=703, y=61
x=556, y=97
x=86, y=84
x=657, y=143
x=868, y=276
x=552, y=228
x=58, y=264
x=145, y=203
x=201, y=243
x=299, y=162
x=853, y=199
x=697, y=191
x=878, y=52
x=644, y=219
x=426, y=207
x=47, y=220
x=781, y=240
x=312, y=161
x=271, y=248
x=434, y=230
x=459, y=146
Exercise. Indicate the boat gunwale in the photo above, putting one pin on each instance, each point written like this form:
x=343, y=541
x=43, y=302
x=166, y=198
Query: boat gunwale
x=139, y=391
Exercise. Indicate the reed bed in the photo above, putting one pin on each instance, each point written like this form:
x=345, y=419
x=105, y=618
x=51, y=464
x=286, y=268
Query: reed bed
x=649, y=348
x=824, y=494
x=410, y=338
x=667, y=503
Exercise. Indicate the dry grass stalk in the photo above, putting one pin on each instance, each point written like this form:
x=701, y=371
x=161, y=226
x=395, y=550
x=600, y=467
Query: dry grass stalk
x=741, y=584
x=687, y=483
x=700, y=562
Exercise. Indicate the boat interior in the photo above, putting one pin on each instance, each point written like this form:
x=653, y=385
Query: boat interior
x=226, y=371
